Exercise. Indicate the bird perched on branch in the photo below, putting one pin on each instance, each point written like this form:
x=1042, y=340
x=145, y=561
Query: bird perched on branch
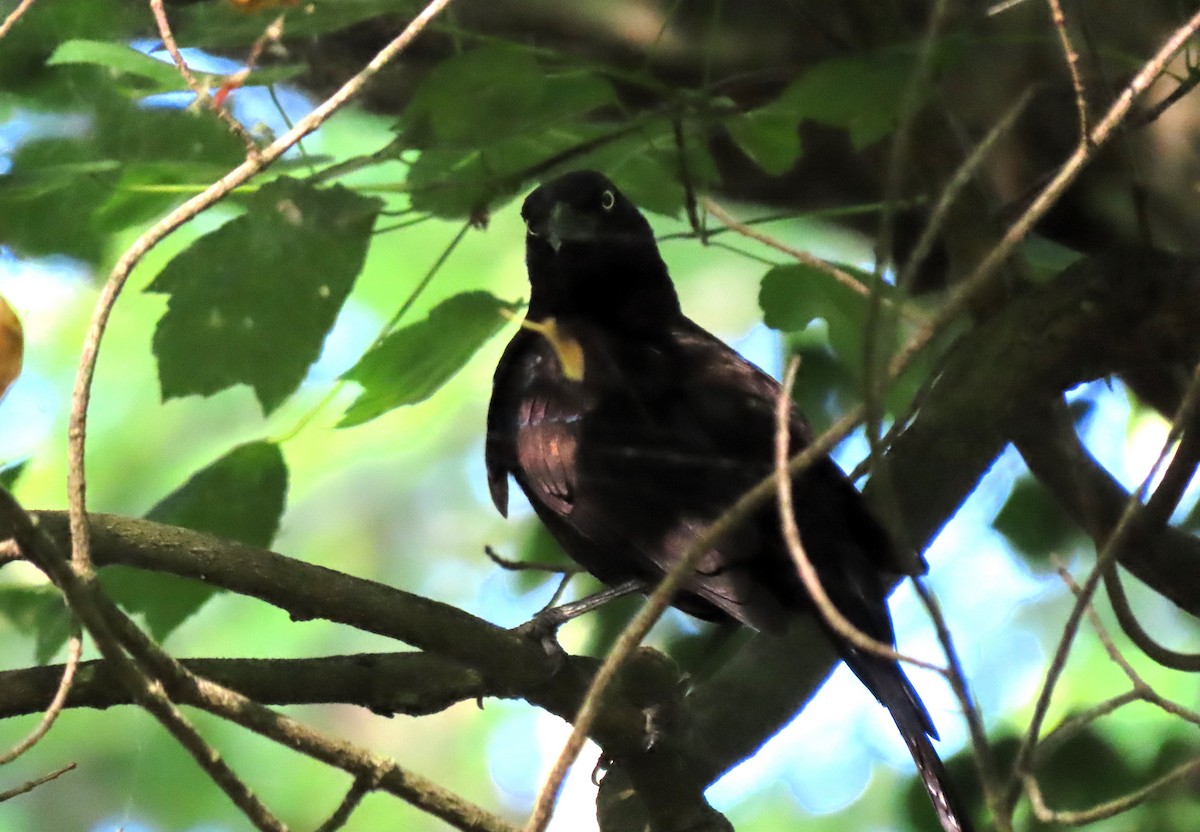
x=630, y=429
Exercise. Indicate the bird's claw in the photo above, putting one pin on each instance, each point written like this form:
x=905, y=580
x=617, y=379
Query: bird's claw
x=543, y=629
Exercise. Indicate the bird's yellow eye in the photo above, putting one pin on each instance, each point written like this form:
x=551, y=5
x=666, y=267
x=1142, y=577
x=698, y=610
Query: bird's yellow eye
x=607, y=200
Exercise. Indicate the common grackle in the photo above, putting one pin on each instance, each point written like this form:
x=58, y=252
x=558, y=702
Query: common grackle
x=630, y=429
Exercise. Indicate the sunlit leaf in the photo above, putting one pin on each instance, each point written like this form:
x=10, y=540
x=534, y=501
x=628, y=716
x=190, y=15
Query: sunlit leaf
x=410, y=365
x=149, y=74
x=119, y=58
x=252, y=302
x=240, y=497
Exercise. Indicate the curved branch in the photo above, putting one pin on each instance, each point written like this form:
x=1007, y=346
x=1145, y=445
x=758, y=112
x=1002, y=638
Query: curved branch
x=1101, y=316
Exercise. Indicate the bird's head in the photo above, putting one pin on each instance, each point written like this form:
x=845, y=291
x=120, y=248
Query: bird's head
x=590, y=252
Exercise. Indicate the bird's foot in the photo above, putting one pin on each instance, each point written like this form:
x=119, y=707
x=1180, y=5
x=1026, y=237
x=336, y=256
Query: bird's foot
x=543, y=629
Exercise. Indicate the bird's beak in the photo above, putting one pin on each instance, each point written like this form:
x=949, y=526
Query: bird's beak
x=562, y=224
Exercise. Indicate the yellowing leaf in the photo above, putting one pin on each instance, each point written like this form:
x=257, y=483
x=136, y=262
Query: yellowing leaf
x=12, y=346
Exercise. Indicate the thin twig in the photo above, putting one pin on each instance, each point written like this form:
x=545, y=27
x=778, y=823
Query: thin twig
x=968, y=289
x=202, y=96
x=985, y=760
x=33, y=784
x=840, y=275
x=77, y=430
x=57, y=703
x=1127, y=618
x=1060, y=25
x=13, y=17
x=80, y=572
x=1151, y=115
x=958, y=182
x=902, y=139
x=272, y=34
x=879, y=331
x=1140, y=691
x=530, y=566
x=1104, y=561
x=1157, y=513
x=360, y=788
x=1106, y=810
x=832, y=616
x=1141, y=688
x=1077, y=722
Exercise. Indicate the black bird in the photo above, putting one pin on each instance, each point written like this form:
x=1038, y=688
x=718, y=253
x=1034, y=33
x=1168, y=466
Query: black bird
x=630, y=429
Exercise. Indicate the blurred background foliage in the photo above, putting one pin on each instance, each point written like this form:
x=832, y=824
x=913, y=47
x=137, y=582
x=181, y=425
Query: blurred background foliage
x=307, y=367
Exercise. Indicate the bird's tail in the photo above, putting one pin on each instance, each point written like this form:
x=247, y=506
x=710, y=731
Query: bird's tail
x=886, y=680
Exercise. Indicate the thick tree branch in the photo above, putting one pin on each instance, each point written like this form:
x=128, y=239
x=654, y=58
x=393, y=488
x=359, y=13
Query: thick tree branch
x=1099, y=317
x=413, y=684
x=510, y=664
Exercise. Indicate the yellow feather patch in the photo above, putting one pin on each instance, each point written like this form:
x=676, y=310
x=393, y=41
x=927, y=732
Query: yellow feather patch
x=566, y=348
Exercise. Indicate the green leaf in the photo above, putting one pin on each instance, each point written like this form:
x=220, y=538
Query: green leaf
x=862, y=94
x=64, y=195
x=503, y=81
x=1033, y=522
x=118, y=58
x=796, y=294
x=793, y=296
x=240, y=497
x=645, y=166
x=37, y=611
x=519, y=96
x=252, y=302
x=10, y=473
x=410, y=364
x=222, y=24
x=770, y=136
x=149, y=74
x=47, y=202
x=533, y=117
